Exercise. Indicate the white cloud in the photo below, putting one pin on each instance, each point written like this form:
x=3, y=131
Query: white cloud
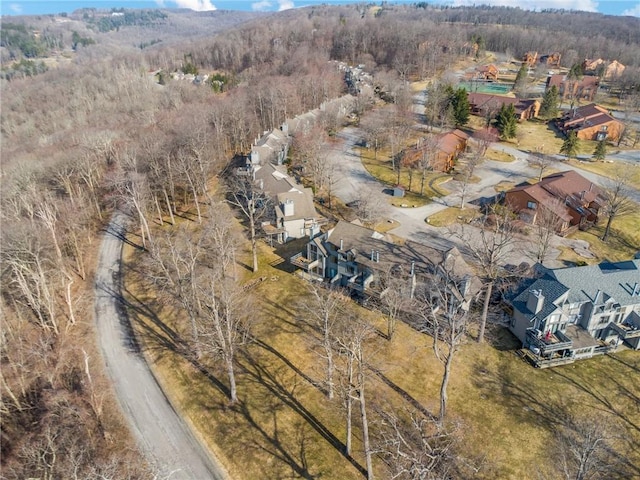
x=261, y=6
x=632, y=12
x=197, y=5
x=285, y=5
x=160, y=3
x=584, y=5
x=15, y=8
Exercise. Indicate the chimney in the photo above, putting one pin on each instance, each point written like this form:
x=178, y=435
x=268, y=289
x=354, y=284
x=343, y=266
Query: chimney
x=341, y=244
x=287, y=207
x=535, y=301
x=636, y=290
x=372, y=255
x=377, y=256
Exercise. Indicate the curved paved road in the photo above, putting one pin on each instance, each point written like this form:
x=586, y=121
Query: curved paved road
x=163, y=436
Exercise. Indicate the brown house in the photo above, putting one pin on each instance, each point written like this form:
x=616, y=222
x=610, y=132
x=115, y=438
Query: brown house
x=487, y=72
x=551, y=60
x=610, y=69
x=530, y=58
x=584, y=88
x=487, y=105
x=442, y=151
x=571, y=198
x=591, y=122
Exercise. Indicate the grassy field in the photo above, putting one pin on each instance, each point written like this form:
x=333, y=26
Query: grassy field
x=499, y=156
x=623, y=242
x=452, y=215
x=631, y=173
x=285, y=427
x=381, y=168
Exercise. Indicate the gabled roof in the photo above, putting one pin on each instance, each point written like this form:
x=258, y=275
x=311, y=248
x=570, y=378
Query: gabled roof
x=613, y=280
x=571, y=183
x=550, y=289
x=361, y=242
x=275, y=179
x=544, y=198
x=486, y=100
x=560, y=79
x=303, y=206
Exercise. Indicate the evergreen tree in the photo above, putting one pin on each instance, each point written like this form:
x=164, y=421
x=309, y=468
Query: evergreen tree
x=506, y=122
x=459, y=102
x=576, y=71
x=570, y=145
x=522, y=76
x=550, y=103
x=601, y=151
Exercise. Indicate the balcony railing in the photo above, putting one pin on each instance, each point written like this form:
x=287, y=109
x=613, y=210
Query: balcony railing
x=299, y=260
x=625, y=330
x=548, y=343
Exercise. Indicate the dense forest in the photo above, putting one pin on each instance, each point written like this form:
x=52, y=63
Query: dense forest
x=98, y=132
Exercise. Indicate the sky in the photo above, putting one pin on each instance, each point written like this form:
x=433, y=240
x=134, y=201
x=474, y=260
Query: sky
x=37, y=7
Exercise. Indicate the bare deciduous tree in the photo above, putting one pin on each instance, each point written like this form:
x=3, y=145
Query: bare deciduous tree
x=352, y=341
x=253, y=203
x=490, y=245
x=618, y=203
x=445, y=316
x=325, y=310
x=415, y=446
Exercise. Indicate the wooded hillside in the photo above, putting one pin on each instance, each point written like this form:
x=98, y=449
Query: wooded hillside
x=108, y=128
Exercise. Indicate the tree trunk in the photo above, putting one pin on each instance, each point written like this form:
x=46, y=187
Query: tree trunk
x=169, y=206
x=254, y=245
x=444, y=385
x=330, y=366
x=365, y=426
x=349, y=405
x=607, y=229
x=485, y=311
x=233, y=394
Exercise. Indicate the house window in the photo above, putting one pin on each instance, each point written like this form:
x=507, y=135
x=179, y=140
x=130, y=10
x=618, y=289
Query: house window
x=531, y=205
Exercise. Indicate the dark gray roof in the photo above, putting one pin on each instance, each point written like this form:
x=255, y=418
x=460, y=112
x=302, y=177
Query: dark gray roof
x=362, y=241
x=550, y=288
x=616, y=280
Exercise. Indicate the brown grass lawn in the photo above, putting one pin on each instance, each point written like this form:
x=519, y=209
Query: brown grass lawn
x=631, y=173
x=285, y=427
x=499, y=156
x=382, y=169
x=623, y=242
x=451, y=215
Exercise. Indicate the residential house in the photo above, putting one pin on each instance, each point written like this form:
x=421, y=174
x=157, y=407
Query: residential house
x=359, y=259
x=572, y=313
x=294, y=214
x=608, y=70
x=488, y=105
x=530, y=58
x=487, y=72
x=442, y=151
x=273, y=147
x=551, y=60
x=571, y=198
x=591, y=122
x=583, y=88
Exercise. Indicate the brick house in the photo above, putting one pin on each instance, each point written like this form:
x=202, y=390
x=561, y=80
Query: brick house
x=485, y=104
x=573, y=313
x=591, y=122
x=570, y=197
x=530, y=58
x=584, y=88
